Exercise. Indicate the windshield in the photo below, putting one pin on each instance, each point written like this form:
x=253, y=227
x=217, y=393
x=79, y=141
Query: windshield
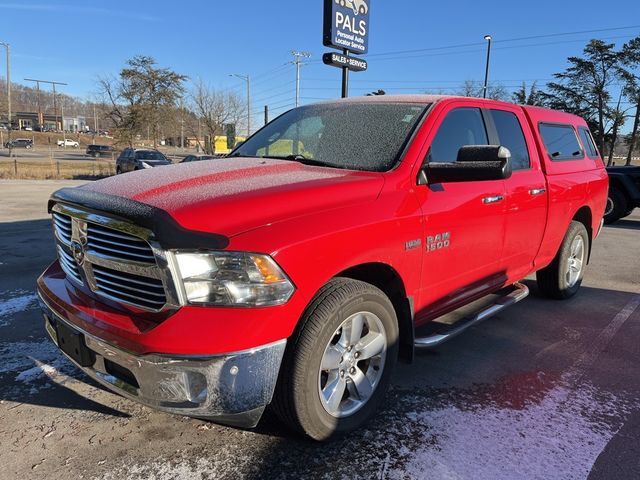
x=150, y=155
x=367, y=136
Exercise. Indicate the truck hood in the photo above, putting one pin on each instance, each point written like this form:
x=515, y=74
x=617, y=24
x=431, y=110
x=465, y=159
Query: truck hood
x=234, y=195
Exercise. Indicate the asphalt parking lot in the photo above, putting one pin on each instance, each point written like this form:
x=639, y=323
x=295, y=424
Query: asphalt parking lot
x=546, y=389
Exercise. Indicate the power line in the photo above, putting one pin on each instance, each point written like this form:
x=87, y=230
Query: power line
x=262, y=98
x=516, y=39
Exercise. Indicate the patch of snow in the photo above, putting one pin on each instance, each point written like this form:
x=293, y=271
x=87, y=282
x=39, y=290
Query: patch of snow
x=39, y=371
x=14, y=302
x=16, y=356
x=560, y=437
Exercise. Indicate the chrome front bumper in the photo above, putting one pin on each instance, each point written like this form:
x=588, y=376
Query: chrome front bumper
x=232, y=389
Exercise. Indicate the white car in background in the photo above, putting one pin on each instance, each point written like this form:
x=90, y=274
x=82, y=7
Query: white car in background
x=68, y=143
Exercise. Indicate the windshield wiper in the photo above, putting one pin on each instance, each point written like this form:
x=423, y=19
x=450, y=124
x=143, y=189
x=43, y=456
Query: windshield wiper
x=304, y=160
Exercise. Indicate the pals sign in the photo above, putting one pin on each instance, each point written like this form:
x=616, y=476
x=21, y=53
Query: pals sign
x=346, y=25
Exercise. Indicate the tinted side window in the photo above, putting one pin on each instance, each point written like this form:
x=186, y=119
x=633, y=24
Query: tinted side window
x=587, y=141
x=462, y=126
x=510, y=135
x=561, y=142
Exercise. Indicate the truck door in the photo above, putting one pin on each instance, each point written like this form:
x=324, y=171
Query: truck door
x=526, y=199
x=464, y=221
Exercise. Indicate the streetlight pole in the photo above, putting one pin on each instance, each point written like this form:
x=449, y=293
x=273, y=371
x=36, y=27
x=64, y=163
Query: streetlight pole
x=8, y=48
x=486, y=71
x=247, y=79
x=298, y=63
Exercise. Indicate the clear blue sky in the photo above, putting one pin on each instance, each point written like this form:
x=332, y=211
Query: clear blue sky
x=74, y=42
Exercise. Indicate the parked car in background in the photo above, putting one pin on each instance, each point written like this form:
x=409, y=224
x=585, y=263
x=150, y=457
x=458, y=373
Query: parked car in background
x=19, y=143
x=100, y=150
x=624, y=192
x=68, y=143
x=197, y=158
x=139, y=159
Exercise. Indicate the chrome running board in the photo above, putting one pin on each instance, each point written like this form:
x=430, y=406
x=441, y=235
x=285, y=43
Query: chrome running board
x=447, y=332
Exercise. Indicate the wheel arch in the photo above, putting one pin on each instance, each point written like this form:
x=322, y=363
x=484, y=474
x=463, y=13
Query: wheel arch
x=585, y=216
x=387, y=279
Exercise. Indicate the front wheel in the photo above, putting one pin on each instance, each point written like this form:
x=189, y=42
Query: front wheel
x=338, y=365
x=563, y=277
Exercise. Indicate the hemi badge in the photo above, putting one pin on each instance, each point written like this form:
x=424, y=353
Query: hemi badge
x=411, y=244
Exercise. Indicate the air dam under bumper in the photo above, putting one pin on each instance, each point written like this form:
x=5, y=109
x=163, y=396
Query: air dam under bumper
x=232, y=389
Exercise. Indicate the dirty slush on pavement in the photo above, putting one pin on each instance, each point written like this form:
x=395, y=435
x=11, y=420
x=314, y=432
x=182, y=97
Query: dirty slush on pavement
x=449, y=432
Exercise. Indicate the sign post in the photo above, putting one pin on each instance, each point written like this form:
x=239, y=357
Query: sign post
x=346, y=28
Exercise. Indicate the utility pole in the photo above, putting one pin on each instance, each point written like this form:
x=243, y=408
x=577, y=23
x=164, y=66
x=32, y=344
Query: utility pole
x=298, y=63
x=199, y=134
x=486, y=71
x=8, y=48
x=55, y=108
x=181, y=125
x=64, y=133
x=247, y=79
x=40, y=118
x=95, y=123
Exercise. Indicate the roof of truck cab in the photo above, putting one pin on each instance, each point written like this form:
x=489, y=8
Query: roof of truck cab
x=541, y=115
x=536, y=114
x=420, y=99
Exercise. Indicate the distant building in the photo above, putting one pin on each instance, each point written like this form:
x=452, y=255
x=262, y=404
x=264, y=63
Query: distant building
x=75, y=124
x=30, y=121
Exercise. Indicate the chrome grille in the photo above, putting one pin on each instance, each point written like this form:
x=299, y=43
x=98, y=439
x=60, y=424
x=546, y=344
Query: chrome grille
x=113, y=258
x=118, y=245
x=69, y=265
x=62, y=226
x=129, y=288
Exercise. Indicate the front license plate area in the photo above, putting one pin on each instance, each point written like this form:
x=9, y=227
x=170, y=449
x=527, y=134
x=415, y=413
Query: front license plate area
x=72, y=343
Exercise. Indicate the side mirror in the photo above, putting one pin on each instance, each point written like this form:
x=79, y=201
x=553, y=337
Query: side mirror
x=474, y=163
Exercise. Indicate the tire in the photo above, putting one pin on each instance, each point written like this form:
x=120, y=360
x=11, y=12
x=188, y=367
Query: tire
x=562, y=278
x=323, y=336
x=616, y=205
x=118, y=170
x=628, y=212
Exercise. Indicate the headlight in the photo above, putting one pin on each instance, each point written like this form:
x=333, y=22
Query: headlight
x=233, y=279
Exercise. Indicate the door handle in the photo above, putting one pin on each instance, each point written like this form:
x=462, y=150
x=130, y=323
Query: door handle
x=537, y=191
x=492, y=199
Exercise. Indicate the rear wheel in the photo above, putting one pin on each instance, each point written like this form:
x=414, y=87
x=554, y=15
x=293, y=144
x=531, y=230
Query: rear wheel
x=616, y=205
x=118, y=170
x=337, y=368
x=563, y=277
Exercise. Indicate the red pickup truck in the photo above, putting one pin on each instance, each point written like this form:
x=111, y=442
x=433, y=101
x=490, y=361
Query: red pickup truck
x=296, y=272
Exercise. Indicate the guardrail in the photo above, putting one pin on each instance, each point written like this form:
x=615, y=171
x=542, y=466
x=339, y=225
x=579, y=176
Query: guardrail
x=25, y=168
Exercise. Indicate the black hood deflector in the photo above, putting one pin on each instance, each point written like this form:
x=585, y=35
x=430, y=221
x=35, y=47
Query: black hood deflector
x=168, y=233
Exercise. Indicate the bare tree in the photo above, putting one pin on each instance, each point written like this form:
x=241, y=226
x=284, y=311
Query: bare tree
x=472, y=88
x=215, y=109
x=618, y=116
